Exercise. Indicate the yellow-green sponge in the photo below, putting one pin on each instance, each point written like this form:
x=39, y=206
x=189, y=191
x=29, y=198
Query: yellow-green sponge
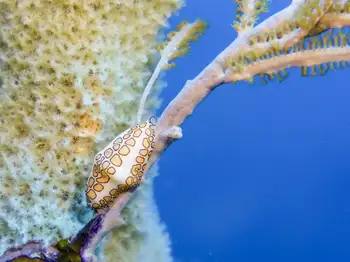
x=71, y=75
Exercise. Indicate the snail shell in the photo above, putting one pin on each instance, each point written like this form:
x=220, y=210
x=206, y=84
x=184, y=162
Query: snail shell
x=120, y=166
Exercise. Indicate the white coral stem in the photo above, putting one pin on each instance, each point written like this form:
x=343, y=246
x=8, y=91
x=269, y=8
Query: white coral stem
x=168, y=51
x=215, y=73
x=335, y=20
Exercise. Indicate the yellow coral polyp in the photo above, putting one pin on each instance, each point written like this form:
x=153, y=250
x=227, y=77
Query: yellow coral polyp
x=247, y=13
x=82, y=146
x=87, y=126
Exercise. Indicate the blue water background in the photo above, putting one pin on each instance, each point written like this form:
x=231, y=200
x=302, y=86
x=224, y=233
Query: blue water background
x=262, y=172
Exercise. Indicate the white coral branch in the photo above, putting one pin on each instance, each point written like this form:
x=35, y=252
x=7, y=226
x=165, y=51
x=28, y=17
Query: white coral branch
x=215, y=73
x=335, y=20
x=305, y=58
x=167, y=53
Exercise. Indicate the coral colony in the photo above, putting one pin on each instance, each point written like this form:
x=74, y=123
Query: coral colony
x=71, y=73
x=74, y=143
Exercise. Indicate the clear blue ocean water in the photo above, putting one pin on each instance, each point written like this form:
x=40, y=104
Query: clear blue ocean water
x=263, y=171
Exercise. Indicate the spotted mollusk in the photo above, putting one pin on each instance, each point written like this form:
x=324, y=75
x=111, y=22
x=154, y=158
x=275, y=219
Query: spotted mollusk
x=120, y=166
